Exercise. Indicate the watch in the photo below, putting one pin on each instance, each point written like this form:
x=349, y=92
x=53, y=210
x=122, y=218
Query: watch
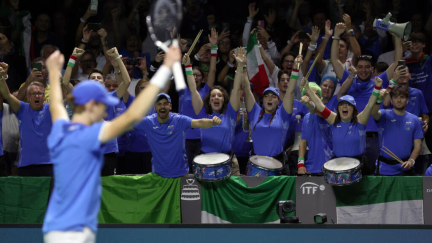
x=412, y=161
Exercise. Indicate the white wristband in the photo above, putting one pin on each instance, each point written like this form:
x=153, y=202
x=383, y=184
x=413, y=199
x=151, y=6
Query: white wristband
x=312, y=48
x=314, y=106
x=289, y=42
x=161, y=77
x=230, y=65
x=82, y=20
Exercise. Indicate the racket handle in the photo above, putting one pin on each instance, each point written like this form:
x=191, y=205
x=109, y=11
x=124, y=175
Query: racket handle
x=178, y=73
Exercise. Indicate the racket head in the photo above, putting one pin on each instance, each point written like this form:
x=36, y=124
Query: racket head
x=164, y=17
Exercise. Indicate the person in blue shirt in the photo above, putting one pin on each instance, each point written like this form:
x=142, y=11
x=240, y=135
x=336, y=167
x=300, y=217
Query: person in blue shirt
x=165, y=132
x=270, y=122
x=363, y=85
x=76, y=148
x=400, y=132
x=316, y=135
x=34, y=126
x=349, y=126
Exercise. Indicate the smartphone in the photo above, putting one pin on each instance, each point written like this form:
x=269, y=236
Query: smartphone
x=94, y=5
x=38, y=66
x=94, y=26
x=261, y=24
x=402, y=63
x=226, y=26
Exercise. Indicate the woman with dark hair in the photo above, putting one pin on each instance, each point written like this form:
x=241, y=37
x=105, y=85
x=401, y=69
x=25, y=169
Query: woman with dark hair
x=349, y=126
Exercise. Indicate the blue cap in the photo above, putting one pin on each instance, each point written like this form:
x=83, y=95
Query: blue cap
x=273, y=90
x=91, y=90
x=347, y=98
x=163, y=96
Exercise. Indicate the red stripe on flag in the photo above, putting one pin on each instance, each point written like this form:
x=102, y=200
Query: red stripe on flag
x=260, y=80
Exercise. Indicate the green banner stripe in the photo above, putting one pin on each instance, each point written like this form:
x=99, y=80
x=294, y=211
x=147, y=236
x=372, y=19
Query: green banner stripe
x=380, y=189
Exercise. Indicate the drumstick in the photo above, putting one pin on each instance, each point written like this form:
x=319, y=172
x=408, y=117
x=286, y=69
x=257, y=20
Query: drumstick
x=313, y=65
x=301, y=47
x=195, y=41
x=388, y=150
x=397, y=159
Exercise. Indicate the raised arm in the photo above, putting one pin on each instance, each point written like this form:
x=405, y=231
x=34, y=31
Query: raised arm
x=352, y=39
x=293, y=21
x=312, y=46
x=334, y=57
x=113, y=54
x=225, y=69
x=145, y=100
x=213, y=38
x=76, y=54
x=320, y=63
x=249, y=97
x=206, y=123
x=4, y=90
x=376, y=113
x=241, y=62
x=57, y=109
x=397, y=55
x=363, y=117
x=79, y=33
x=197, y=102
x=399, y=72
x=248, y=25
x=348, y=82
x=330, y=116
x=288, y=101
x=291, y=42
x=267, y=61
x=22, y=92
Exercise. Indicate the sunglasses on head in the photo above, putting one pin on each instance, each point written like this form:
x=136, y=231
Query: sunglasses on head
x=364, y=57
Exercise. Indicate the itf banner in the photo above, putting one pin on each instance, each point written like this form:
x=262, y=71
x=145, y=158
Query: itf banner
x=140, y=199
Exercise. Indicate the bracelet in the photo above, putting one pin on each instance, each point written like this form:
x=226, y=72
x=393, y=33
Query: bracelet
x=312, y=48
x=412, y=161
x=82, y=20
x=198, y=58
x=72, y=61
x=214, y=50
x=352, y=76
x=230, y=65
x=120, y=56
x=83, y=41
x=188, y=69
x=336, y=38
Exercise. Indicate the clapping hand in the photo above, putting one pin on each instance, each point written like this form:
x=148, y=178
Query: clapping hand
x=216, y=121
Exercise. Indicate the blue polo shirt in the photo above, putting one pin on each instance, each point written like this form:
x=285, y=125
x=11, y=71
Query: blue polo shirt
x=392, y=130
x=416, y=103
x=34, y=128
x=268, y=138
x=421, y=74
x=362, y=91
x=167, y=143
x=349, y=140
x=77, y=156
x=317, y=132
x=185, y=108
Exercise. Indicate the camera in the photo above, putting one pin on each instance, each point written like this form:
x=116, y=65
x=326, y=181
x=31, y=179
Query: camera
x=285, y=207
x=133, y=62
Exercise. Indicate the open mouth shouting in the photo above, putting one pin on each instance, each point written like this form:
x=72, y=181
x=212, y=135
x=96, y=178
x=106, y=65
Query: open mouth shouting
x=216, y=103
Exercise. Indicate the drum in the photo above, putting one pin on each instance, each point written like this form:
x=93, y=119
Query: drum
x=342, y=171
x=260, y=166
x=212, y=166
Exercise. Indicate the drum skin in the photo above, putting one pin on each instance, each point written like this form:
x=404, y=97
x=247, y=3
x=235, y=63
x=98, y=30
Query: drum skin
x=212, y=167
x=260, y=166
x=342, y=171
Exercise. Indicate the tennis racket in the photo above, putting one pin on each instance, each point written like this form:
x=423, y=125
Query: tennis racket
x=165, y=16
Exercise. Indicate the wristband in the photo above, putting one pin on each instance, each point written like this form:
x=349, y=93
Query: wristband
x=161, y=77
x=230, y=65
x=325, y=113
x=198, y=58
x=336, y=38
x=300, y=162
x=289, y=42
x=294, y=73
x=314, y=106
x=82, y=20
x=72, y=61
x=83, y=41
x=312, y=48
x=379, y=101
x=214, y=50
x=391, y=84
x=376, y=91
x=412, y=161
x=188, y=69
x=120, y=56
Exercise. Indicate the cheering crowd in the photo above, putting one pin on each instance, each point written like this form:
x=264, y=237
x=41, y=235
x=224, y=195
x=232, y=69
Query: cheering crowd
x=306, y=81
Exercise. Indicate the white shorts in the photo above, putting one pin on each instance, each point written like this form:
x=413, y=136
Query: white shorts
x=85, y=236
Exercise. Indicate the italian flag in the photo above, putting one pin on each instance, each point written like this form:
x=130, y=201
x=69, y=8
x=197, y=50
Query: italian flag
x=379, y=200
x=255, y=66
x=232, y=201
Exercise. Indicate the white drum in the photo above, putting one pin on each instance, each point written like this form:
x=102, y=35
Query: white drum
x=212, y=166
x=259, y=166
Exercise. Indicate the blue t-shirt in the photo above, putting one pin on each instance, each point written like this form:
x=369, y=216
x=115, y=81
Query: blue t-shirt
x=77, y=155
x=138, y=139
x=317, y=132
x=416, y=103
x=240, y=147
x=34, y=128
x=421, y=74
x=123, y=141
x=397, y=133
x=218, y=139
x=185, y=108
x=362, y=91
x=167, y=143
x=295, y=125
x=268, y=139
x=348, y=140
x=332, y=104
